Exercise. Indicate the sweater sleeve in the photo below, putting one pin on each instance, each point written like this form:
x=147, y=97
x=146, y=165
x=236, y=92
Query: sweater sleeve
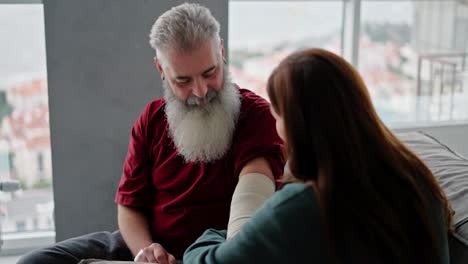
x=285, y=230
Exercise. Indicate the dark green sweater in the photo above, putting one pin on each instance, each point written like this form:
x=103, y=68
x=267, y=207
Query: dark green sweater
x=285, y=230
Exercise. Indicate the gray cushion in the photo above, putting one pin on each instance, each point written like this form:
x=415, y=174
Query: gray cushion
x=450, y=169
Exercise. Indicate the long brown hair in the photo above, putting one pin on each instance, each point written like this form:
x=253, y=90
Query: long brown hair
x=375, y=194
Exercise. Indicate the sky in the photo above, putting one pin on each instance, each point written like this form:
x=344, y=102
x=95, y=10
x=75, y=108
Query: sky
x=22, y=42
x=268, y=23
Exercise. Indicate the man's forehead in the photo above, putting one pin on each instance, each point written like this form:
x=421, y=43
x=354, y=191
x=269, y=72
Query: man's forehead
x=190, y=68
x=191, y=62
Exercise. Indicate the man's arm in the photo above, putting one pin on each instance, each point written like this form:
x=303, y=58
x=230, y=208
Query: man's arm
x=134, y=228
x=255, y=186
x=258, y=165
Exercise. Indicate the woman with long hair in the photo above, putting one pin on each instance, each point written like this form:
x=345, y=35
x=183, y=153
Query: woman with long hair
x=353, y=192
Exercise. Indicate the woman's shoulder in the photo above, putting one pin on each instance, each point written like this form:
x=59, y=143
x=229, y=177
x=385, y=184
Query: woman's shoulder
x=294, y=195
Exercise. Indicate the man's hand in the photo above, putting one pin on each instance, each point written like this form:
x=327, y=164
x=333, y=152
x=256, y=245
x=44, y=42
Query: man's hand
x=155, y=253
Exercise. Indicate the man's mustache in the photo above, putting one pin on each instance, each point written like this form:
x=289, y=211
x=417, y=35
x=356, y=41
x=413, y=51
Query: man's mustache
x=196, y=101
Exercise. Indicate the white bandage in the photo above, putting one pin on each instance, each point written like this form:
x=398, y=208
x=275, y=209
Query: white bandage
x=252, y=190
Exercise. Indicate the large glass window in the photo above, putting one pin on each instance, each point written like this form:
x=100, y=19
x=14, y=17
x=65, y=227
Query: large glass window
x=264, y=32
x=411, y=54
x=25, y=154
x=413, y=57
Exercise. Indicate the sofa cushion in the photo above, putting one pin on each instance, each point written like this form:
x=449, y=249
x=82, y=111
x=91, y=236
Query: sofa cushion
x=451, y=171
x=449, y=167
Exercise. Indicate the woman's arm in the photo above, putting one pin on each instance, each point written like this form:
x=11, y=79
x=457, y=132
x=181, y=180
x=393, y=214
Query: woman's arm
x=285, y=230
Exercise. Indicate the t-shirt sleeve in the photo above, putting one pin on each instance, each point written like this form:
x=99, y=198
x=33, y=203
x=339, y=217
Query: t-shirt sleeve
x=135, y=184
x=257, y=137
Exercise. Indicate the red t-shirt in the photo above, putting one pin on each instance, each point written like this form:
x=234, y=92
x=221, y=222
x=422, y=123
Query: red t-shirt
x=184, y=199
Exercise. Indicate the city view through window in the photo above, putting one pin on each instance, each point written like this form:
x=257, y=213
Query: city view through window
x=412, y=54
x=25, y=154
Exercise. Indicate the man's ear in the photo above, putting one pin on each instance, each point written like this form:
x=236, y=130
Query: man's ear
x=221, y=43
x=159, y=66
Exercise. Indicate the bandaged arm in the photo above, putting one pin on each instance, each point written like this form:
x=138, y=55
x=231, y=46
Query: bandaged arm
x=252, y=190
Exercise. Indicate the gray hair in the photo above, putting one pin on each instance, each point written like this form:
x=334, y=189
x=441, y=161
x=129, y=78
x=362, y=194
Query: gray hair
x=184, y=28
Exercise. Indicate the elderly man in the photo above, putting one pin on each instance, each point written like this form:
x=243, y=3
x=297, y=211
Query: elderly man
x=206, y=155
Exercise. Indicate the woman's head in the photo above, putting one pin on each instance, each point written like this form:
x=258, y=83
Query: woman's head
x=374, y=192
x=322, y=104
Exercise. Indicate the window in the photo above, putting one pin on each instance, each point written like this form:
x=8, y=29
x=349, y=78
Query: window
x=262, y=33
x=24, y=127
x=411, y=54
x=413, y=57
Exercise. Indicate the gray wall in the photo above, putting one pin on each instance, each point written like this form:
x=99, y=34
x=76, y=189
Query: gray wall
x=100, y=75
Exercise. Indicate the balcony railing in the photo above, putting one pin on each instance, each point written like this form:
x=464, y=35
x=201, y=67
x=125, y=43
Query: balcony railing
x=439, y=77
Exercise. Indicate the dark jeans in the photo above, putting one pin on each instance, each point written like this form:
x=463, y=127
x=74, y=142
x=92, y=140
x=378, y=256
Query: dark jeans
x=100, y=245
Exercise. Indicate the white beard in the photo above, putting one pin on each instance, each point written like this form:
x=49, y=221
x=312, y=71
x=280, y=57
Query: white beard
x=203, y=133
